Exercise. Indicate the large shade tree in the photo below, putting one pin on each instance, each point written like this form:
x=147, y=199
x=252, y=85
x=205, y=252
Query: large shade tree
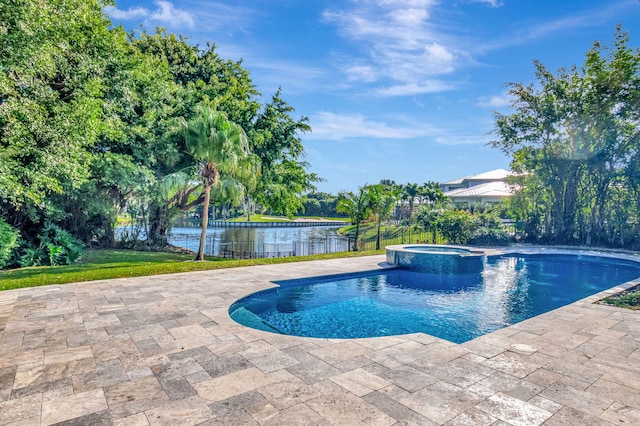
x=575, y=141
x=275, y=138
x=220, y=149
x=54, y=57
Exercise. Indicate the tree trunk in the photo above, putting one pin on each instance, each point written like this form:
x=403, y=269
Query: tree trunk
x=159, y=228
x=109, y=238
x=355, y=241
x=378, y=236
x=205, y=220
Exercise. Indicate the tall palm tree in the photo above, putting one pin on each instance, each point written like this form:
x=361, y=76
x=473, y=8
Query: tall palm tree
x=411, y=190
x=381, y=202
x=429, y=192
x=356, y=205
x=220, y=149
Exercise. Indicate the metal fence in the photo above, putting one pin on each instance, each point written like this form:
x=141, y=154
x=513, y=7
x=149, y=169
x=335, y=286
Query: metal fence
x=226, y=224
x=402, y=236
x=253, y=249
x=196, y=223
x=330, y=244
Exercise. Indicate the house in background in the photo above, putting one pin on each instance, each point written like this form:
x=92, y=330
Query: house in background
x=489, y=187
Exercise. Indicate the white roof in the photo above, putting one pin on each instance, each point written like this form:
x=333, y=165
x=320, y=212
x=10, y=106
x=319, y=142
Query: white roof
x=497, y=174
x=490, y=189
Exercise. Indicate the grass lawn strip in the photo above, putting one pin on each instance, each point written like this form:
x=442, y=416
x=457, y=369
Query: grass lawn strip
x=108, y=264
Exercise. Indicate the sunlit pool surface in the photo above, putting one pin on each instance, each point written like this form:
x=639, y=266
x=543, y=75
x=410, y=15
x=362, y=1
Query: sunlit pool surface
x=510, y=289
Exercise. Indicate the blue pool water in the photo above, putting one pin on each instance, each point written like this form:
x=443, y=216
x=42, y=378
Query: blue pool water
x=510, y=289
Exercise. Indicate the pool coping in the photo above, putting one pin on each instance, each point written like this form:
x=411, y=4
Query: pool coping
x=151, y=350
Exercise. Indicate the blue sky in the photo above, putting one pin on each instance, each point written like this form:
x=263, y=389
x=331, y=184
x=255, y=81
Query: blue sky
x=393, y=89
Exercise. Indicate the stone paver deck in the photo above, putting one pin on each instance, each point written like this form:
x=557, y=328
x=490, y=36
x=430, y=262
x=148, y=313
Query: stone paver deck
x=162, y=350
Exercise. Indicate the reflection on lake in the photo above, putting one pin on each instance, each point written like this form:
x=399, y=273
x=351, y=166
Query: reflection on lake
x=261, y=242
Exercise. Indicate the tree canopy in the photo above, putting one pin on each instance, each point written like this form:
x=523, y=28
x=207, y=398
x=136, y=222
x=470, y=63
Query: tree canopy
x=575, y=142
x=91, y=122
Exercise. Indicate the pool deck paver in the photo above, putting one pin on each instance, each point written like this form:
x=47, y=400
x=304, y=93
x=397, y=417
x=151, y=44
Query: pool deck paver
x=162, y=350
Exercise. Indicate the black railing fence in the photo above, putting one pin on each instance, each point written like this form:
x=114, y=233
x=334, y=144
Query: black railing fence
x=329, y=244
x=403, y=236
x=196, y=223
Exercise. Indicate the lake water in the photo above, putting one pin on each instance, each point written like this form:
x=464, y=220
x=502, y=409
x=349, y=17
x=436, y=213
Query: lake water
x=265, y=242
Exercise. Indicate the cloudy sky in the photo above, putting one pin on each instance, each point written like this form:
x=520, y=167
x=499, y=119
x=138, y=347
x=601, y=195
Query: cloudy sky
x=393, y=89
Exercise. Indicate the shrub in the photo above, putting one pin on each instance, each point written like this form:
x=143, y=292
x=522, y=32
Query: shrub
x=456, y=226
x=32, y=257
x=56, y=247
x=490, y=237
x=9, y=237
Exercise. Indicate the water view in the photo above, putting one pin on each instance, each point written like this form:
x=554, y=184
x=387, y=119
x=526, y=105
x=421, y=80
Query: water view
x=262, y=242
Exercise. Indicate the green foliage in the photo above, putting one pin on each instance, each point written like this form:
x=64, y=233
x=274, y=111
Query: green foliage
x=54, y=57
x=56, y=247
x=8, y=242
x=480, y=226
x=381, y=200
x=92, y=118
x=225, y=164
x=575, y=142
x=489, y=230
x=456, y=226
x=629, y=299
x=357, y=207
x=33, y=257
x=275, y=139
x=490, y=237
x=320, y=204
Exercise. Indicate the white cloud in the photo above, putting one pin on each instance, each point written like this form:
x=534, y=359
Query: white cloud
x=293, y=76
x=400, y=46
x=165, y=13
x=432, y=86
x=126, y=15
x=463, y=139
x=493, y=3
x=493, y=101
x=361, y=72
x=331, y=126
x=228, y=17
x=563, y=25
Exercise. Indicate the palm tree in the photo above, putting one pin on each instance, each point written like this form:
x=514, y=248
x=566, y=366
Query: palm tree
x=356, y=206
x=220, y=149
x=381, y=203
x=411, y=191
x=429, y=192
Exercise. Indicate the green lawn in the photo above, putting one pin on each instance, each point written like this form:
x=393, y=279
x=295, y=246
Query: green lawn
x=107, y=264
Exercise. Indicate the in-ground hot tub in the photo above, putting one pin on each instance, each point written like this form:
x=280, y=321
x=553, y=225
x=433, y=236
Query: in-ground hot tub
x=437, y=259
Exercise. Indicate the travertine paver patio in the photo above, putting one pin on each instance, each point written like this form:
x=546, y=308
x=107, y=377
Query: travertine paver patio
x=162, y=350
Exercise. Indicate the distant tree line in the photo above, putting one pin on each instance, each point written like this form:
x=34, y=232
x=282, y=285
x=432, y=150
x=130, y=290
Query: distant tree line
x=422, y=208
x=92, y=124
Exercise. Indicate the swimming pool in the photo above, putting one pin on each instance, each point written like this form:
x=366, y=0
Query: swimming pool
x=509, y=289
